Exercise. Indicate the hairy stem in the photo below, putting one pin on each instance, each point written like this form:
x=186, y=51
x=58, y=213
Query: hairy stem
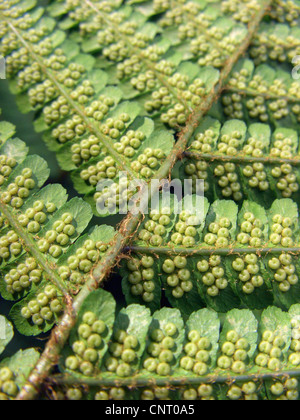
x=242, y=159
x=211, y=251
x=176, y=381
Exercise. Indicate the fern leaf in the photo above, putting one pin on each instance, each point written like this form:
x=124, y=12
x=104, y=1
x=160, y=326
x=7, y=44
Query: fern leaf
x=40, y=229
x=205, y=264
x=7, y=333
x=236, y=162
x=240, y=330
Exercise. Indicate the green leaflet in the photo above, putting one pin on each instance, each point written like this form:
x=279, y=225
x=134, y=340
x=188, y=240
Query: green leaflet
x=275, y=320
x=25, y=279
x=7, y=130
x=98, y=233
x=22, y=364
x=248, y=326
x=206, y=322
x=223, y=274
x=191, y=298
x=103, y=306
x=245, y=324
x=27, y=327
x=6, y=333
x=162, y=319
x=133, y=274
x=135, y=321
x=256, y=168
x=260, y=82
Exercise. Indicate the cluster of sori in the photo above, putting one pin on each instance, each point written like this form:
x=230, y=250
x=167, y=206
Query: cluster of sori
x=141, y=277
x=245, y=392
x=204, y=392
x=256, y=176
x=254, y=148
x=286, y=12
x=285, y=390
x=96, y=110
x=233, y=101
x=285, y=273
x=228, y=181
x=58, y=237
x=7, y=164
x=145, y=82
x=282, y=389
x=130, y=143
x=197, y=356
x=186, y=230
x=20, y=189
x=86, y=359
x=234, y=353
x=104, y=394
x=282, y=147
x=32, y=73
x=164, y=5
x=148, y=162
x=268, y=45
x=270, y=350
x=133, y=66
x=156, y=393
x=197, y=171
x=208, y=52
x=76, y=127
x=115, y=394
x=43, y=308
x=282, y=231
x=117, y=52
x=287, y=182
x=175, y=116
x=23, y=276
x=112, y=197
x=82, y=262
x=249, y=272
x=179, y=276
x=122, y=354
x=204, y=142
x=264, y=100
x=36, y=216
x=213, y=275
x=103, y=170
x=60, y=108
x=87, y=149
x=10, y=245
x=155, y=229
x=218, y=234
x=8, y=387
x=294, y=353
x=114, y=127
x=241, y=11
x=229, y=143
x=160, y=351
x=250, y=231
x=69, y=76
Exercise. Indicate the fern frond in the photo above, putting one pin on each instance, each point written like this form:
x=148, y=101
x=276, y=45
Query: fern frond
x=236, y=161
x=201, y=348
x=262, y=93
x=39, y=232
x=224, y=260
x=67, y=99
